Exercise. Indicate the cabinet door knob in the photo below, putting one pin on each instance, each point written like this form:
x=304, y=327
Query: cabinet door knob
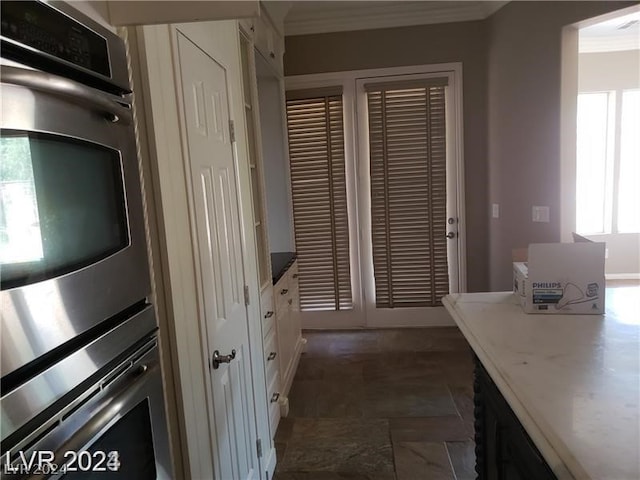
x=295, y=275
x=269, y=314
x=290, y=301
x=272, y=55
x=275, y=397
x=272, y=355
x=284, y=291
x=217, y=359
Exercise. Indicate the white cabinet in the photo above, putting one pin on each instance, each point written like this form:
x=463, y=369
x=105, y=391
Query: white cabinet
x=172, y=11
x=261, y=48
x=168, y=57
x=268, y=42
x=251, y=118
x=287, y=309
x=271, y=357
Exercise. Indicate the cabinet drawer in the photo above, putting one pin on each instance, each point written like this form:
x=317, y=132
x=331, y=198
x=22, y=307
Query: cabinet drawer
x=263, y=36
x=282, y=293
x=273, y=395
x=293, y=275
x=247, y=25
x=267, y=310
x=271, y=356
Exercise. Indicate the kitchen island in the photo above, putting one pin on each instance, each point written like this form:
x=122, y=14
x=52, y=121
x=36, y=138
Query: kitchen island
x=558, y=394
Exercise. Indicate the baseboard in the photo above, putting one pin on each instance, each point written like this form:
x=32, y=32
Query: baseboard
x=379, y=318
x=293, y=366
x=270, y=463
x=622, y=276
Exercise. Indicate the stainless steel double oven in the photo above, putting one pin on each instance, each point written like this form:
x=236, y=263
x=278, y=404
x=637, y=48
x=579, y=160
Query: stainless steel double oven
x=81, y=389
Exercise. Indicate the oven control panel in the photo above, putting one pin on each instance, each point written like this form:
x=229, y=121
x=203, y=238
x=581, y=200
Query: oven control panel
x=42, y=28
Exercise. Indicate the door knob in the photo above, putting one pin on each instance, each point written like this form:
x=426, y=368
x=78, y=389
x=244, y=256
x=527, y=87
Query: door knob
x=451, y=235
x=217, y=359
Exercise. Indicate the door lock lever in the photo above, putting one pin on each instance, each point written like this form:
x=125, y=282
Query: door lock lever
x=217, y=359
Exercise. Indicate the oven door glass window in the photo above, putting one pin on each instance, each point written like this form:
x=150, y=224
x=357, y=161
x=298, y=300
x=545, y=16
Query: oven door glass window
x=127, y=447
x=62, y=206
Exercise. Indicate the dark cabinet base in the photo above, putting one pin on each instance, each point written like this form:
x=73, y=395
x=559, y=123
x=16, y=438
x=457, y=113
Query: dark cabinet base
x=504, y=451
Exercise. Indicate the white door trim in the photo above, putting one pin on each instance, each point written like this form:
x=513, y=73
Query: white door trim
x=357, y=317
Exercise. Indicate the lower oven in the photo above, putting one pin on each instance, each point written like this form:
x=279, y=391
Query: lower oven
x=111, y=427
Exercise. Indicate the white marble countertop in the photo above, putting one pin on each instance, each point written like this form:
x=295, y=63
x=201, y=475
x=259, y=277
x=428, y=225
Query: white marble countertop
x=573, y=381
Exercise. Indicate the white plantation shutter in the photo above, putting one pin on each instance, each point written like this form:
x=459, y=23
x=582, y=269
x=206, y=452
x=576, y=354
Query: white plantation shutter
x=316, y=155
x=407, y=139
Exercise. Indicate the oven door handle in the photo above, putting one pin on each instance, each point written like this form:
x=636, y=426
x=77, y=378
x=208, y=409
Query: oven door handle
x=70, y=90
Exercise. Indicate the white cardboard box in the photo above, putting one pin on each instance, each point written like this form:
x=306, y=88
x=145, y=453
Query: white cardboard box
x=561, y=278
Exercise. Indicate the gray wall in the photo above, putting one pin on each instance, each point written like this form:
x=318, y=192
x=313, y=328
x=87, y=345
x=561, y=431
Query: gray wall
x=524, y=49
x=511, y=79
x=393, y=47
x=608, y=70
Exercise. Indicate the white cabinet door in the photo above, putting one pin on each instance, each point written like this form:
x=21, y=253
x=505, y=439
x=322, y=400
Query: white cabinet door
x=221, y=282
x=287, y=302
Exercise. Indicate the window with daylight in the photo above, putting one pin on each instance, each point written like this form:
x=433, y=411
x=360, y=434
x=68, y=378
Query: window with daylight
x=407, y=148
x=318, y=184
x=608, y=162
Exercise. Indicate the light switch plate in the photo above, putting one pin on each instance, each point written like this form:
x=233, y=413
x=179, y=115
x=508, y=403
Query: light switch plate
x=540, y=214
x=495, y=210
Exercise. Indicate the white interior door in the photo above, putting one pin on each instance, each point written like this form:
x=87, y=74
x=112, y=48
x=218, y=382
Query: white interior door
x=221, y=282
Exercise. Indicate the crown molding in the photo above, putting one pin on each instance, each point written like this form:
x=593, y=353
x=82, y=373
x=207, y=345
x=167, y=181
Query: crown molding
x=372, y=16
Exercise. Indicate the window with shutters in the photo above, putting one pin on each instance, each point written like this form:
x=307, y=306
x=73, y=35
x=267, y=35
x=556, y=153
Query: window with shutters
x=408, y=169
x=318, y=185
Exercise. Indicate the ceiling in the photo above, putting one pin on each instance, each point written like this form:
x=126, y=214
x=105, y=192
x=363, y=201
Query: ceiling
x=306, y=17
x=620, y=33
x=301, y=17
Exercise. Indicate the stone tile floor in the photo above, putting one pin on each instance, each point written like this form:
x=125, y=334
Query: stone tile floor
x=393, y=404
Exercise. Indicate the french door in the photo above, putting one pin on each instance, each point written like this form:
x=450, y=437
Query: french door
x=404, y=177
x=408, y=203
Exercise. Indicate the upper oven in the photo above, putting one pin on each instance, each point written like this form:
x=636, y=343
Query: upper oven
x=72, y=241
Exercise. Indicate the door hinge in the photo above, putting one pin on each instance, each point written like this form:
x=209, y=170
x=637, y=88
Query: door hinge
x=259, y=447
x=246, y=295
x=232, y=131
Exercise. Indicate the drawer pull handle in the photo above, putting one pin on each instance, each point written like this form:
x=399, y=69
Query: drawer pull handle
x=275, y=397
x=269, y=314
x=284, y=291
x=271, y=356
